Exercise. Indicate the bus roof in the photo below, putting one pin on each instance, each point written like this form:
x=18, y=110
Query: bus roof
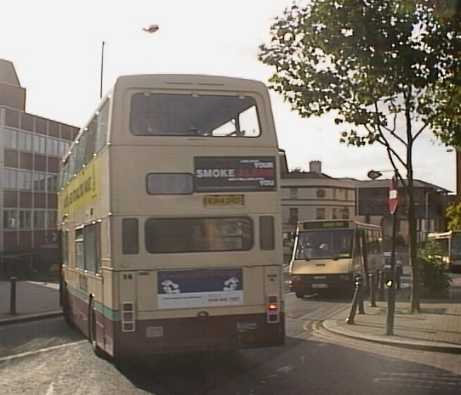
x=187, y=81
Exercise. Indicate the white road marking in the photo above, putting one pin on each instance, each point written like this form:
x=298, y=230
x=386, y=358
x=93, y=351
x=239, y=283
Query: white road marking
x=285, y=369
x=50, y=390
x=40, y=351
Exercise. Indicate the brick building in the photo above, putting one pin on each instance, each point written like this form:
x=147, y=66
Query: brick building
x=430, y=205
x=30, y=152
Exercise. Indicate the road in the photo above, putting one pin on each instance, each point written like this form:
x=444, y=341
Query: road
x=47, y=357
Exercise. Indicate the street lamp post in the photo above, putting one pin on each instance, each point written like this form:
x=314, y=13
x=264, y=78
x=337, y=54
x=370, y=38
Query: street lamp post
x=102, y=68
x=148, y=29
x=393, y=207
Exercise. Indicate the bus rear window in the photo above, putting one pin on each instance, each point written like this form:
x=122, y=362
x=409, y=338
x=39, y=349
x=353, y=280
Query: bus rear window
x=176, y=235
x=156, y=114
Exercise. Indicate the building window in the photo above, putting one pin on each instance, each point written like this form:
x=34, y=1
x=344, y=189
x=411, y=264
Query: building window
x=25, y=220
x=345, y=213
x=10, y=219
x=321, y=193
x=334, y=213
x=320, y=213
x=10, y=139
x=293, y=193
x=51, y=219
x=39, y=219
x=24, y=180
x=9, y=179
x=293, y=216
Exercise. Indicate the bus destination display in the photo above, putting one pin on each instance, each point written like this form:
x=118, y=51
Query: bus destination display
x=326, y=224
x=243, y=174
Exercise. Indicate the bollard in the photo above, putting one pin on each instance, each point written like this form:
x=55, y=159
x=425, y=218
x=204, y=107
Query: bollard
x=355, y=301
x=381, y=284
x=361, y=295
x=398, y=274
x=372, y=282
x=13, y=295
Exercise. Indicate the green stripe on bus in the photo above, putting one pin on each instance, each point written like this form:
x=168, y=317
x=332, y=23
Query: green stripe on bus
x=109, y=313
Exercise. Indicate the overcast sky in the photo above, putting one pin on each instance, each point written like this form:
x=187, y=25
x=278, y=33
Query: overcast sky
x=55, y=46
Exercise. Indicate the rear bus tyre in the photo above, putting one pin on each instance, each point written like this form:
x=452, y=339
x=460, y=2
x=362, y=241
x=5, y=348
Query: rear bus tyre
x=92, y=330
x=66, y=312
x=299, y=295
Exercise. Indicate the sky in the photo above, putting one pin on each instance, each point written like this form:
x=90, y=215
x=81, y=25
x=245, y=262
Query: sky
x=56, y=48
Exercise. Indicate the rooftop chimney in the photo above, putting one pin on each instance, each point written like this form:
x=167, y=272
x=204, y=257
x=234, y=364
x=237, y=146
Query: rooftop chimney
x=315, y=166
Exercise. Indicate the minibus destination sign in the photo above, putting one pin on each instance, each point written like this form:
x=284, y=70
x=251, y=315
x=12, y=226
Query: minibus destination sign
x=326, y=225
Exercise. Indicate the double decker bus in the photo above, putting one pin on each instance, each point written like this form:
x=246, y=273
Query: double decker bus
x=328, y=254
x=449, y=244
x=169, y=209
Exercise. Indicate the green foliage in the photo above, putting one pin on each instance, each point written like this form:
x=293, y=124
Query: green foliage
x=433, y=272
x=454, y=216
x=369, y=61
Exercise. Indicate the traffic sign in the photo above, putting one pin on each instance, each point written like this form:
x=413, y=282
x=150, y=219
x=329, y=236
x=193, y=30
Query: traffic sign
x=393, y=196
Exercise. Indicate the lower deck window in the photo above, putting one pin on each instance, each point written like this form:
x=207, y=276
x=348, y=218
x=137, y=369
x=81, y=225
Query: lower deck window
x=176, y=235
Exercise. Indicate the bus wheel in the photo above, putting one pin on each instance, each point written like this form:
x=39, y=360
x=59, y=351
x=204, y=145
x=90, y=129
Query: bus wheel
x=299, y=295
x=92, y=329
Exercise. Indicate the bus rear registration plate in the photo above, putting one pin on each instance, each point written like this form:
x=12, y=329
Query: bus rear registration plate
x=223, y=200
x=319, y=285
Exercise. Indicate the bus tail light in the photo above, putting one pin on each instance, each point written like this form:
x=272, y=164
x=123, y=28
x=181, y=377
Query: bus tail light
x=128, y=317
x=272, y=310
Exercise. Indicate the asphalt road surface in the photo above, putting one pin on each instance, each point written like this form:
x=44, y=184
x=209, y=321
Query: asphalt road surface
x=47, y=357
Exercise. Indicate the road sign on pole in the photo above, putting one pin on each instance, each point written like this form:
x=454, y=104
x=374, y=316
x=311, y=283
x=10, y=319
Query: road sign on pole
x=393, y=196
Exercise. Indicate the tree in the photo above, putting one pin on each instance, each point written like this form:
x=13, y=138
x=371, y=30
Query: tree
x=454, y=216
x=387, y=69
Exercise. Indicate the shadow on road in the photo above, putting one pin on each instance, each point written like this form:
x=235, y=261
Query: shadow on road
x=197, y=373
x=34, y=335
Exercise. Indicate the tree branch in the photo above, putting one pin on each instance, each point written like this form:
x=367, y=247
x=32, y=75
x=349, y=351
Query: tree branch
x=420, y=130
x=383, y=140
x=394, y=127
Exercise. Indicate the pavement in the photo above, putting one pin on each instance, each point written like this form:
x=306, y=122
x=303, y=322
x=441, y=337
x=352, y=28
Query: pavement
x=34, y=300
x=436, y=328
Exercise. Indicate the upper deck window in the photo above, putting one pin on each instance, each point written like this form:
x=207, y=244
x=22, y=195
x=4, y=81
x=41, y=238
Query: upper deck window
x=158, y=114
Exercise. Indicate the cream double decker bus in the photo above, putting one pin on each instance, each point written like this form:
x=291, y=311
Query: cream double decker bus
x=170, y=217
